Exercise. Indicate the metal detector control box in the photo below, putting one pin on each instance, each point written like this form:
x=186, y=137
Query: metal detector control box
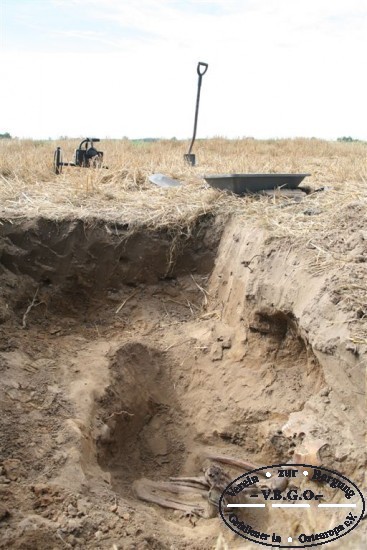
x=86, y=156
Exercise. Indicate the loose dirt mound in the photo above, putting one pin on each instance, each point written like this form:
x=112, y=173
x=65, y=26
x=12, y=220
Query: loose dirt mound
x=128, y=355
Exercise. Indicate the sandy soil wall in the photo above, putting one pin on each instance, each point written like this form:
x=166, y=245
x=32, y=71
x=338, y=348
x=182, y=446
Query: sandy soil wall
x=256, y=276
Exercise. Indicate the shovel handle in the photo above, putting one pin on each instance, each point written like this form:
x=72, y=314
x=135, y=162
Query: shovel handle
x=200, y=71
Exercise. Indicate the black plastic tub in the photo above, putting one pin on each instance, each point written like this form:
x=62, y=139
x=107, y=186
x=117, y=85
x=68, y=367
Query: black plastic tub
x=252, y=183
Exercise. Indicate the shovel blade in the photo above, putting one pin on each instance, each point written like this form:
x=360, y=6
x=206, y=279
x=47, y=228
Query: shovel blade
x=164, y=181
x=190, y=159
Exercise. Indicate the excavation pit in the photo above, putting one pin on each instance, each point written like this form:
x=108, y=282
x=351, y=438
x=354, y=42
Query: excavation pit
x=143, y=431
x=129, y=355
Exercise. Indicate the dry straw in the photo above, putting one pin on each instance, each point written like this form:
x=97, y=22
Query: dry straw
x=28, y=186
x=123, y=193
x=330, y=224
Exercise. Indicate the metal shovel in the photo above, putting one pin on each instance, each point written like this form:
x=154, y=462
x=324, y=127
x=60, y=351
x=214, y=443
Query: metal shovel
x=164, y=181
x=201, y=70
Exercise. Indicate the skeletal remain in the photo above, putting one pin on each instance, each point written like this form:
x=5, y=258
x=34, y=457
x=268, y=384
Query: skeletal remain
x=242, y=464
x=221, y=543
x=190, y=481
x=309, y=452
x=275, y=483
x=210, y=487
x=218, y=480
x=151, y=491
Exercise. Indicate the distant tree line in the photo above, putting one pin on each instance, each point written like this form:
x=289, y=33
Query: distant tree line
x=347, y=139
x=5, y=136
x=145, y=140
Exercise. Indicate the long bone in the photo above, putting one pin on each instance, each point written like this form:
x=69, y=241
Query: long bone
x=149, y=491
x=279, y=483
x=201, y=486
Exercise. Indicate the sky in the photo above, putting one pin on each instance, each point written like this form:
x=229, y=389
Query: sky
x=127, y=68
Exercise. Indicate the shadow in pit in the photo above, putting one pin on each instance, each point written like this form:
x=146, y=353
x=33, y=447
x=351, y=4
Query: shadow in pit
x=140, y=421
